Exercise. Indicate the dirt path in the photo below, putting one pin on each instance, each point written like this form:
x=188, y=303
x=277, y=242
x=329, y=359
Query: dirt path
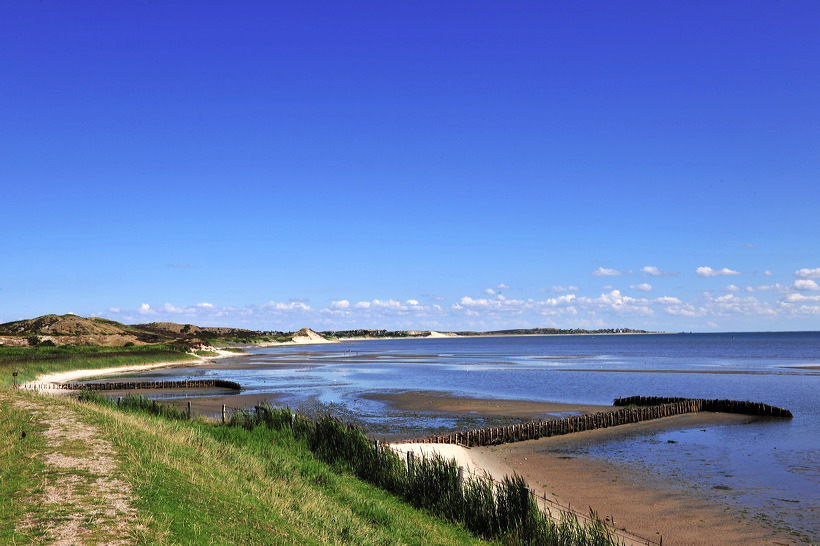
x=83, y=499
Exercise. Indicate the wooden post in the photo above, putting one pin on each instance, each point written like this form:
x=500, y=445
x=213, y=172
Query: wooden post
x=461, y=477
x=189, y=409
x=223, y=414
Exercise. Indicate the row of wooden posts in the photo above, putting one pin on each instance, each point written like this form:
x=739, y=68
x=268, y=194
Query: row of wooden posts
x=132, y=385
x=592, y=421
x=721, y=406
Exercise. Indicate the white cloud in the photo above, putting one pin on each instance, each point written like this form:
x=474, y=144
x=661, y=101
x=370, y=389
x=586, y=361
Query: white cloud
x=653, y=271
x=709, y=272
x=502, y=286
x=739, y=305
x=290, y=306
x=570, y=288
x=808, y=273
x=604, y=272
x=806, y=284
x=733, y=305
x=616, y=302
x=776, y=287
x=684, y=310
x=768, y=273
x=795, y=298
x=667, y=300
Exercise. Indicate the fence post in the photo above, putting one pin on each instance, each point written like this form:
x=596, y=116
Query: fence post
x=223, y=414
x=461, y=477
x=189, y=409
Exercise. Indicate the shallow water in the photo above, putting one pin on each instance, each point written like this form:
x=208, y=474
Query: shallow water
x=768, y=466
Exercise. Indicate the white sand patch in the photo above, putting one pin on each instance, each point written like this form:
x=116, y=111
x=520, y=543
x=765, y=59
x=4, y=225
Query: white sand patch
x=308, y=336
x=42, y=381
x=474, y=462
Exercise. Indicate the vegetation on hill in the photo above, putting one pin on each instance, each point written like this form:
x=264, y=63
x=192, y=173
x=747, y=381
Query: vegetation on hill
x=553, y=331
x=376, y=333
x=58, y=330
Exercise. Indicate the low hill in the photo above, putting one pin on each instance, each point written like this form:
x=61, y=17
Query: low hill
x=76, y=330
x=176, y=331
x=63, y=325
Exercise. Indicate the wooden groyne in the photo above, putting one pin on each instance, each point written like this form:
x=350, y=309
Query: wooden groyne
x=722, y=406
x=132, y=385
x=592, y=421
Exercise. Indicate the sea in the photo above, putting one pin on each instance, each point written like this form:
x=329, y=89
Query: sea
x=767, y=468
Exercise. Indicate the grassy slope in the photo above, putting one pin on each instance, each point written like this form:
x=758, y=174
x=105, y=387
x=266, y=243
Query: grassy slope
x=196, y=483
x=30, y=362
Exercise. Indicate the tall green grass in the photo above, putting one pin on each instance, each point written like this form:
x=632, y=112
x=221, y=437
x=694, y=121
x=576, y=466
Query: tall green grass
x=30, y=362
x=505, y=511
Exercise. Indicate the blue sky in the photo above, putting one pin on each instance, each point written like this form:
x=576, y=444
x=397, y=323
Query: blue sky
x=417, y=165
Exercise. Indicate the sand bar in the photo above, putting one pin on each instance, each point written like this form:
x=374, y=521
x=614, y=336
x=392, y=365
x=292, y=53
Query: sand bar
x=433, y=401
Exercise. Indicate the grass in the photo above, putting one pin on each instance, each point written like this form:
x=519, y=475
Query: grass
x=195, y=482
x=21, y=468
x=30, y=362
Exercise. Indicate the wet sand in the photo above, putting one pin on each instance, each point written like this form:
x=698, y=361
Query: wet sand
x=443, y=402
x=559, y=468
x=211, y=405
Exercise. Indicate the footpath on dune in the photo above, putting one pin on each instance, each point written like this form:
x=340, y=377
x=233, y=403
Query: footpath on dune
x=83, y=497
